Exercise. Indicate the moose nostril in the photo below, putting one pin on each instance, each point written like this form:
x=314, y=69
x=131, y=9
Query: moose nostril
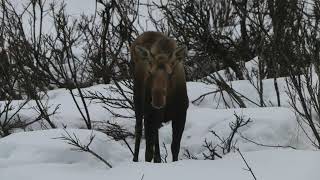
x=158, y=100
x=158, y=107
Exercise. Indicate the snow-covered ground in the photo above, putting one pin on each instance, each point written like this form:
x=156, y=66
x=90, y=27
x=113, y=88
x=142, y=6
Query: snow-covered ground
x=40, y=154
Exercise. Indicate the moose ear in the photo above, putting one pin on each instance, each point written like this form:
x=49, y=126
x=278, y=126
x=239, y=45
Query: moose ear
x=180, y=53
x=142, y=52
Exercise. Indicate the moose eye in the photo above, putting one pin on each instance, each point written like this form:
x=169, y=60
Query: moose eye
x=173, y=64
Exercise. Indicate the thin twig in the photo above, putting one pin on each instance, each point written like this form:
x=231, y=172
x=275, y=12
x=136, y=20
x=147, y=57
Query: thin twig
x=244, y=160
x=75, y=141
x=265, y=145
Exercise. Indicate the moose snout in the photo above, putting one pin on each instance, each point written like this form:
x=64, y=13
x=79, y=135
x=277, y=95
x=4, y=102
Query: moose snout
x=158, y=99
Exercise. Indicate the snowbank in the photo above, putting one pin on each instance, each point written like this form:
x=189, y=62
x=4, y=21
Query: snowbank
x=45, y=148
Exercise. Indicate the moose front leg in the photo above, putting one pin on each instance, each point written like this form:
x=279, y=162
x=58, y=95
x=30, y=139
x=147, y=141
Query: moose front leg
x=149, y=136
x=159, y=117
x=138, y=135
x=157, y=156
x=177, y=130
x=138, y=103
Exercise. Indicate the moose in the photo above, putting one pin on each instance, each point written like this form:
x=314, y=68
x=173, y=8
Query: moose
x=159, y=91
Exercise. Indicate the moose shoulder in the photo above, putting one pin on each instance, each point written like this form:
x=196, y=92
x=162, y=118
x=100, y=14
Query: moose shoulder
x=160, y=92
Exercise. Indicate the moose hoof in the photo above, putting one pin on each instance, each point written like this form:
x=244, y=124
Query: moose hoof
x=135, y=159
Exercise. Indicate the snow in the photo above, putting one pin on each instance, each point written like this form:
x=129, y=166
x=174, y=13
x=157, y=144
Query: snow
x=45, y=147
x=277, y=129
x=39, y=155
x=231, y=167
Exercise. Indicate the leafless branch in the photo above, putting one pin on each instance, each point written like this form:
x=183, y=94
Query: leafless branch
x=73, y=140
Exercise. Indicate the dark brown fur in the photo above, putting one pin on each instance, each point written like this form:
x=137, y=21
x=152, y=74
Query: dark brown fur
x=160, y=93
